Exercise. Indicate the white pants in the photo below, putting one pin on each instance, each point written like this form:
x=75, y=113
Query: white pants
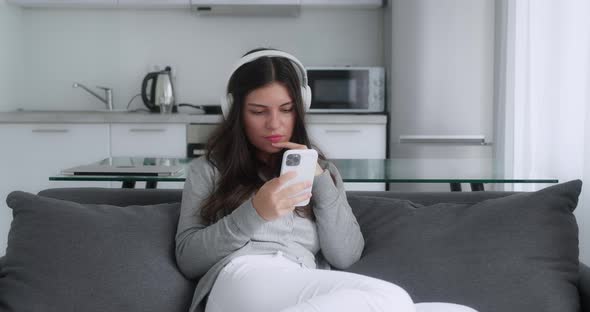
x=273, y=283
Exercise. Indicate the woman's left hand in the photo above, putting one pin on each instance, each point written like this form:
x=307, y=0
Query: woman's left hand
x=291, y=145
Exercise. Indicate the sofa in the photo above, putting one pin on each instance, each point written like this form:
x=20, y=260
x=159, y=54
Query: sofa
x=95, y=249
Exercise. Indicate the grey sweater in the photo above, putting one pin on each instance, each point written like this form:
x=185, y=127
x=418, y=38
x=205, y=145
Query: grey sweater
x=202, y=251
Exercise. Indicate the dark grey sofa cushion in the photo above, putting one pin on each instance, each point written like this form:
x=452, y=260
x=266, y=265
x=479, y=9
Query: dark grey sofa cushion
x=116, y=197
x=65, y=256
x=516, y=253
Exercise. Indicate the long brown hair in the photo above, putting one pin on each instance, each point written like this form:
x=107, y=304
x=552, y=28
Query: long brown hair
x=230, y=151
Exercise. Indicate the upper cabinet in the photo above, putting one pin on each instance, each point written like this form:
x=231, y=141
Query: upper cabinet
x=247, y=7
x=371, y=4
x=272, y=7
x=196, y=4
x=66, y=3
x=165, y=4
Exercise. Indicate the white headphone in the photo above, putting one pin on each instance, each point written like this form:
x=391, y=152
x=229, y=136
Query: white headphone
x=227, y=99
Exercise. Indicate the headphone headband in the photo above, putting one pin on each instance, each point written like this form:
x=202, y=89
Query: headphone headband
x=227, y=99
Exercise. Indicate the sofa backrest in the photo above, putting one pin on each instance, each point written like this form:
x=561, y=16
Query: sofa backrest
x=116, y=197
x=125, y=197
x=431, y=198
x=487, y=250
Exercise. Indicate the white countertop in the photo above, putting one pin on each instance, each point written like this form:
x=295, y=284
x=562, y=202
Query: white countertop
x=143, y=117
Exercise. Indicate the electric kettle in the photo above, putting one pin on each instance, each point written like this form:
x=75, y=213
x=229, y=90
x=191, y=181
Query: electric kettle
x=157, y=89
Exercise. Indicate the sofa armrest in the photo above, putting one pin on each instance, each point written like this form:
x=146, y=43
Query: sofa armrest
x=584, y=287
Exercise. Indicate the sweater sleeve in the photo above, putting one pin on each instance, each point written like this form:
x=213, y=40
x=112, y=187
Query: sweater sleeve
x=341, y=240
x=198, y=246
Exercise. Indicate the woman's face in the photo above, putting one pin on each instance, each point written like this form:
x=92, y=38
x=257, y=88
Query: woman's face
x=269, y=116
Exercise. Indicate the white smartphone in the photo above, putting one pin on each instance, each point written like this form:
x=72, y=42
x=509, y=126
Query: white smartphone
x=302, y=161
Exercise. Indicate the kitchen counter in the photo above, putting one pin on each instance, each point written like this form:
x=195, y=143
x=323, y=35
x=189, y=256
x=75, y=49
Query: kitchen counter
x=141, y=117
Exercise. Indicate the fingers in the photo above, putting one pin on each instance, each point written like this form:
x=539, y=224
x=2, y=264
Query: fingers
x=297, y=199
x=289, y=145
x=294, y=189
x=290, y=197
x=284, y=178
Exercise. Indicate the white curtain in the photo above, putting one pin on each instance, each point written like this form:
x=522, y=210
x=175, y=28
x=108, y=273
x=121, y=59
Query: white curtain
x=544, y=100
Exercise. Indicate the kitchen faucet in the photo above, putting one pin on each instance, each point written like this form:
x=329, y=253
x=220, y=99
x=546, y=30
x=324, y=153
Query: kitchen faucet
x=107, y=100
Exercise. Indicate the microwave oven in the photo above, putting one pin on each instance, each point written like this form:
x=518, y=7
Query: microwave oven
x=347, y=89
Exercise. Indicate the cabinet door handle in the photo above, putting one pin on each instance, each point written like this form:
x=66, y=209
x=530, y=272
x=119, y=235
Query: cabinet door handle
x=479, y=139
x=50, y=130
x=343, y=131
x=146, y=130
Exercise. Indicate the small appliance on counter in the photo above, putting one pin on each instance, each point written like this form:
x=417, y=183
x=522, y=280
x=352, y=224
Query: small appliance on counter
x=157, y=89
x=185, y=108
x=347, y=89
x=191, y=109
x=197, y=136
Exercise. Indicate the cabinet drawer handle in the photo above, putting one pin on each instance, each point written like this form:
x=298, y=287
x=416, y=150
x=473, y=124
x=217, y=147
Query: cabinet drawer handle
x=51, y=130
x=147, y=130
x=343, y=131
x=479, y=139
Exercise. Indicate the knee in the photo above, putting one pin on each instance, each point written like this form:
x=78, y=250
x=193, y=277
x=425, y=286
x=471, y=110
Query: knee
x=395, y=296
x=442, y=307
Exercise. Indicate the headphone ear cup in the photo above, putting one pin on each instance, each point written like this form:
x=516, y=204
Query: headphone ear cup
x=226, y=104
x=306, y=96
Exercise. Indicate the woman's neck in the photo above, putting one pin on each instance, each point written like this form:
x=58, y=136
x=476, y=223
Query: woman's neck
x=269, y=160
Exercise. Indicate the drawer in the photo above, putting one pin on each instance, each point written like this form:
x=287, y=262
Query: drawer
x=149, y=140
x=349, y=141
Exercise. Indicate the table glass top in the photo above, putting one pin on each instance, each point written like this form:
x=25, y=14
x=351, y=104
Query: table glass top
x=351, y=170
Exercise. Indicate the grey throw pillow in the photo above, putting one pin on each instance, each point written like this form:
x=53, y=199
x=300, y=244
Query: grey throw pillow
x=516, y=253
x=65, y=256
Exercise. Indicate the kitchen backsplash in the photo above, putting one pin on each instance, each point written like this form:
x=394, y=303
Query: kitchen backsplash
x=116, y=48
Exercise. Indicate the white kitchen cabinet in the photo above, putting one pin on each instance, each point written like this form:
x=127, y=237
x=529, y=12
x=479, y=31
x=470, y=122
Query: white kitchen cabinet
x=149, y=140
x=351, y=141
x=33, y=152
x=305, y=3
x=168, y=4
x=155, y=4
x=102, y=3
x=343, y=3
x=66, y=3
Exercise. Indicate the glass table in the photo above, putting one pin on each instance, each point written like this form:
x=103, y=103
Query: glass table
x=351, y=170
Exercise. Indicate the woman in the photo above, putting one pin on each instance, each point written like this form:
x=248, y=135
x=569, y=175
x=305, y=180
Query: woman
x=241, y=230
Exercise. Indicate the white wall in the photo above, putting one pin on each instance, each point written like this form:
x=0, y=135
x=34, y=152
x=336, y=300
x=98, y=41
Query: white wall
x=10, y=81
x=11, y=62
x=115, y=48
x=441, y=83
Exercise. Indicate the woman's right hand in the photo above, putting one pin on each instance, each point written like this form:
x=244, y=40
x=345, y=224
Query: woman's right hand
x=272, y=202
